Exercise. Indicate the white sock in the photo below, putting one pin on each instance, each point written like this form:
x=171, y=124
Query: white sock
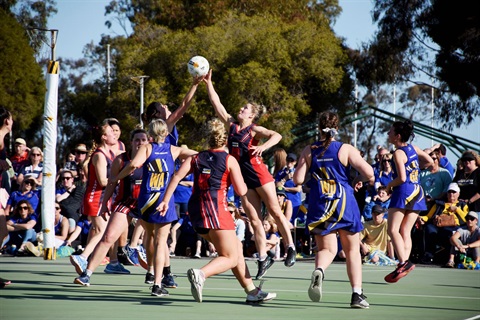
x=357, y=290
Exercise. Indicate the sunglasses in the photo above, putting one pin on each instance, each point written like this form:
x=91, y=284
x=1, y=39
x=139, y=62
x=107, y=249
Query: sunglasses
x=469, y=218
x=57, y=208
x=36, y=154
x=29, y=182
x=66, y=178
x=23, y=208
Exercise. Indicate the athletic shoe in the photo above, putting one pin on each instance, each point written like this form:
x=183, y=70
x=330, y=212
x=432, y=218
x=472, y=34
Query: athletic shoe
x=132, y=256
x=172, y=254
x=401, y=271
x=315, y=288
x=169, y=282
x=142, y=257
x=4, y=282
x=122, y=257
x=359, y=301
x=291, y=256
x=149, y=278
x=116, y=269
x=197, y=256
x=258, y=296
x=33, y=249
x=196, y=283
x=159, y=291
x=263, y=266
x=79, y=262
x=83, y=280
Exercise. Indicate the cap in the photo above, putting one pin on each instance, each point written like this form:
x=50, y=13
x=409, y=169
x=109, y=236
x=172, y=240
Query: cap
x=20, y=141
x=453, y=187
x=29, y=177
x=81, y=148
x=468, y=156
x=281, y=191
x=473, y=214
x=378, y=209
x=292, y=156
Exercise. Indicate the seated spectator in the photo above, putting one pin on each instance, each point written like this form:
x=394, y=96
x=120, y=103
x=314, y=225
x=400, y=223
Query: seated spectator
x=70, y=197
x=439, y=235
x=375, y=244
x=21, y=226
x=382, y=198
x=34, y=169
x=284, y=179
x=385, y=172
x=26, y=192
x=80, y=154
x=19, y=160
x=444, y=163
x=239, y=222
x=285, y=205
x=435, y=180
x=273, y=237
x=468, y=180
x=466, y=241
x=79, y=237
x=61, y=226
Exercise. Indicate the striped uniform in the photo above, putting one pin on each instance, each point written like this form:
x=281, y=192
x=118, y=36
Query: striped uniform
x=157, y=171
x=128, y=191
x=332, y=203
x=94, y=193
x=208, y=205
x=409, y=195
x=254, y=171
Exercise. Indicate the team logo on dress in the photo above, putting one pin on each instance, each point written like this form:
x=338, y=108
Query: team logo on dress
x=206, y=171
x=235, y=144
x=210, y=158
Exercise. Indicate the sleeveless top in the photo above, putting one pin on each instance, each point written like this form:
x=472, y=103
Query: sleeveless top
x=129, y=187
x=409, y=195
x=254, y=171
x=157, y=172
x=332, y=203
x=208, y=205
x=92, y=200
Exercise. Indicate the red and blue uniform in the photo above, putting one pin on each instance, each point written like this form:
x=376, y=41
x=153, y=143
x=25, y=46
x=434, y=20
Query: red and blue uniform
x=254, y=171
x=208, y=205
x=128, y=190
x=94, y=193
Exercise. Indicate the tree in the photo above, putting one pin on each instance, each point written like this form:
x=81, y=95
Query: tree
x=22, y=87
x=438, y=39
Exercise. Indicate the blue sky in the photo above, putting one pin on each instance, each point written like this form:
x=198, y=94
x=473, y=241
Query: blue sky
x=82, y=21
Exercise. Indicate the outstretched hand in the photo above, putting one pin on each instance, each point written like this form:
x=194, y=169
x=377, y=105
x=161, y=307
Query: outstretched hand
x=208, y=77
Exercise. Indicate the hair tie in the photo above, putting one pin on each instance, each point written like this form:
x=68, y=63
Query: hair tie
x=330, y=132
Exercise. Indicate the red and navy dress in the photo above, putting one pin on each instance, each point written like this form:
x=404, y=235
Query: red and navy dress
x=94, y=193
x=254, y=171
x=208, y=205
x=128, y=190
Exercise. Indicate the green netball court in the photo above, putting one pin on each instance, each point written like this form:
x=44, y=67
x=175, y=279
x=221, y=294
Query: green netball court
x=44, y=289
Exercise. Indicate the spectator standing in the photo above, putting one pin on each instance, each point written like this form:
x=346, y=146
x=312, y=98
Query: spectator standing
x=443, y=160
x=19, y=160
x=80, y=156
x=468, y=180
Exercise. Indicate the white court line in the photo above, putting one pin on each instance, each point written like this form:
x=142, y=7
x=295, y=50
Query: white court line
x=473, y=318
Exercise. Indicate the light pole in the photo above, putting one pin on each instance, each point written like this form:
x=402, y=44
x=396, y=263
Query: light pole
x=140, y=80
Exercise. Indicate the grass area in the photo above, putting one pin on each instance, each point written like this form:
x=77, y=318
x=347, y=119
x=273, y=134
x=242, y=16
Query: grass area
x=44, y=290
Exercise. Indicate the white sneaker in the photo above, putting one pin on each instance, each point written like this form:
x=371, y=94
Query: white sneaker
x=315, y=288
x=196, y=279
x=259, y=296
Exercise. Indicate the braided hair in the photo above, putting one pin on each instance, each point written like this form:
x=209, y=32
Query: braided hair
x=216, y=134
